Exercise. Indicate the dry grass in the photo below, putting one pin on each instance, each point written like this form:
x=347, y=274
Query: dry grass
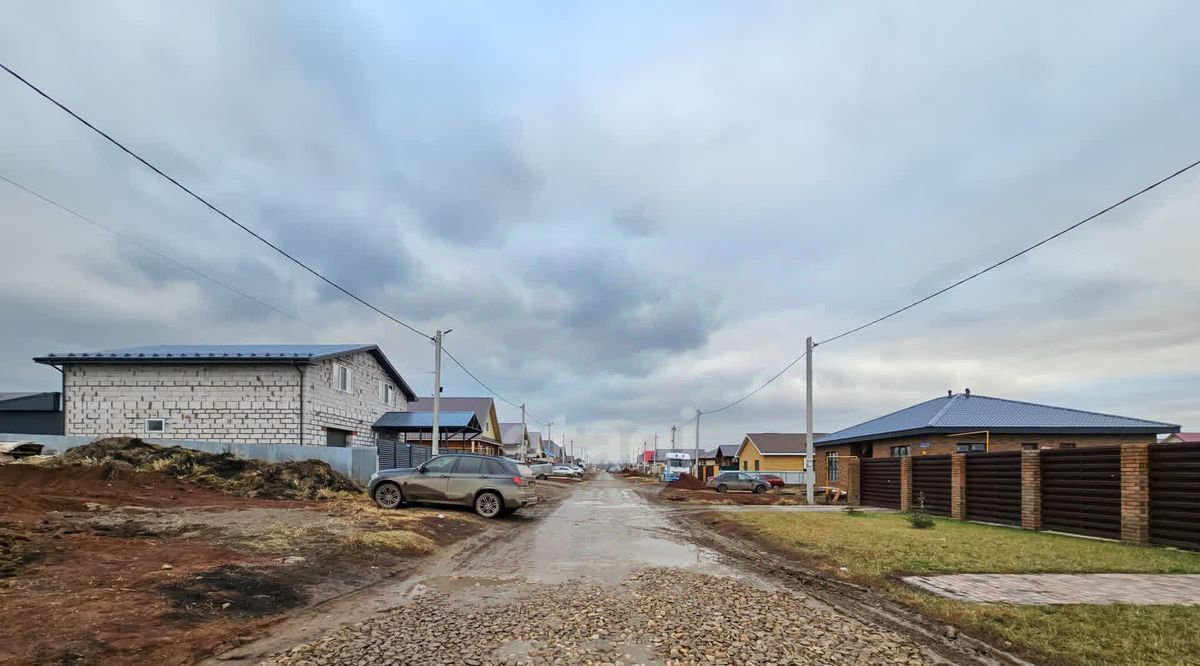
x=876, y=546
x=403, y=542
x=285, y=538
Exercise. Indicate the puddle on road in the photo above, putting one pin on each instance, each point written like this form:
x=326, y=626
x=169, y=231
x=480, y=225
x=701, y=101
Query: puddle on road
x=459, y=583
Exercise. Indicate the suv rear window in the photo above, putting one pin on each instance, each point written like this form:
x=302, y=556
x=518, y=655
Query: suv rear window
x=469, y=465
x=525, y=470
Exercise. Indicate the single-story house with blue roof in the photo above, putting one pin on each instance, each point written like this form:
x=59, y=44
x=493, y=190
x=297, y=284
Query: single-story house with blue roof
x=970, y=423
x=329, y=395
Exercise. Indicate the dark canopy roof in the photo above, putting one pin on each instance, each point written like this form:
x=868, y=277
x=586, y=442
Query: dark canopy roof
x=422, y=422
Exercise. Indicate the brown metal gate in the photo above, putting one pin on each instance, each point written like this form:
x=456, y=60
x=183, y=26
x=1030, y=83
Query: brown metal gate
x=1081, y=491
x=879, y=482
x=931, y=479
x=994, y=487
x=1175, y=495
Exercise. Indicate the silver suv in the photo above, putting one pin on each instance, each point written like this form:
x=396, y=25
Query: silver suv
x=492, y=486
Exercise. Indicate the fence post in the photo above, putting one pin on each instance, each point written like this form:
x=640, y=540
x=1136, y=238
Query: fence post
x=905, y=483
x=1031, y=489
x=958, y=486
x=852, y=470
x=1135, y=493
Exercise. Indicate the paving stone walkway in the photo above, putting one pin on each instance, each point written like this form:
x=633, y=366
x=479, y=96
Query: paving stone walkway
x=1056, y=589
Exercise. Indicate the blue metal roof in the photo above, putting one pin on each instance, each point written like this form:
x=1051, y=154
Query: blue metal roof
x=227, y=354
x=962, y=412
x=423, y=421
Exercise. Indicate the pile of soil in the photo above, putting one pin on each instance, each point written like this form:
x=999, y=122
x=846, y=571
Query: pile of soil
x=687, y=482
x=290, y=480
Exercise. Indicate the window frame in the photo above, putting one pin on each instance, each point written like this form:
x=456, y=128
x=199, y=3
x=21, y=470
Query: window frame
x=387, y=394
x=902, y=451
x=337, y=368
x=970, y=447
x=831, y=466
x=162, y=422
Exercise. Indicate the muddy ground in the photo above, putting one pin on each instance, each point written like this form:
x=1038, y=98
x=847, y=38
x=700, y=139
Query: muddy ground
x=105, y=565
x=769, y=498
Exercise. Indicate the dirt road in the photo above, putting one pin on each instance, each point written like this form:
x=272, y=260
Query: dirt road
x=608, y=577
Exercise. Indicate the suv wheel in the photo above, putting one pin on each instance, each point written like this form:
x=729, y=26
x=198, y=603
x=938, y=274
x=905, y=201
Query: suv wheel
x=759, y=489
x=387, y=495
x=489, y=504
x=722, y=488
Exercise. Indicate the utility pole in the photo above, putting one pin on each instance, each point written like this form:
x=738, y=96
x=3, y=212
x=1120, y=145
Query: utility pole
x=550, y=436
x=809, y=467
x=696, y=459
x=437, y=390
x=655, y=441
x=524, y=438
x=672, y=436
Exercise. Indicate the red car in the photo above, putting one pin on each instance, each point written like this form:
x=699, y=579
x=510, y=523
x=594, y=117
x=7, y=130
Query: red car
x=775, y=481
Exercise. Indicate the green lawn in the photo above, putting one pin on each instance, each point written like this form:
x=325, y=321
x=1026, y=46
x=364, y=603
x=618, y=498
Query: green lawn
x=872, y=546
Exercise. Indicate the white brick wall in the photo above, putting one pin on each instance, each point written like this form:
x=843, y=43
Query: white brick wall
x=226, y=402
x=325, y=406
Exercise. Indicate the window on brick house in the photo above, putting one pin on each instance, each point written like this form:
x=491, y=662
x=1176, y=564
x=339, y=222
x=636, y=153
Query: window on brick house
x=341, y=377
x=970, y=447
x=831, y=465
x=901, y=451
x=156, y=425
x=387, y=394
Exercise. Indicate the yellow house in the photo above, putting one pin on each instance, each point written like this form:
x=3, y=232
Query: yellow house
x=773, y=451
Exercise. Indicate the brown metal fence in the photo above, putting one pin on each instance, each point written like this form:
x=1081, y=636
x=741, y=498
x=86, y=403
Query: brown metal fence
x=1081, y=491
x=1175, y=495
x=993, y=489
x=879, y=482
x=931, y=479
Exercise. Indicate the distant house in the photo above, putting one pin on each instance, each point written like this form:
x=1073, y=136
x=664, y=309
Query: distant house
x=515, y=440
x=722, y=458
x=551, y=450
x=488, y=440
x=535, y=444
x=970, y=423
x=31, y=413
x=1182, y=438
x=774, y=451
x=284, y=394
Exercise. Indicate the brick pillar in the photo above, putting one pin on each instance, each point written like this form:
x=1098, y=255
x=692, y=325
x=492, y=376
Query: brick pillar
x=958, y=486
x=1031, y=489
x=850, y=482
x=905, y=483
x=1135, y=493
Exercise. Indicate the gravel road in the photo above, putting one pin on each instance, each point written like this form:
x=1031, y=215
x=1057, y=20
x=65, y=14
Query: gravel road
x=606, y=578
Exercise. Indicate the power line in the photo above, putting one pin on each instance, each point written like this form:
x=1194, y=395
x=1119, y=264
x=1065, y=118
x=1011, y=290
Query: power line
x=204, y=201
x=1009, y=258
x=486, y=387
x=963, y=281
x=151, y=250
x=240, y=225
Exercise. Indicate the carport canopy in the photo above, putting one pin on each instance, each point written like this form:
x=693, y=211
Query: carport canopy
x=450, y=424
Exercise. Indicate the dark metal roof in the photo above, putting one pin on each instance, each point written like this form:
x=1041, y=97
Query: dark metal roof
x=448, y=422
x=228, y=354
x=46, y=401
x=961, y=412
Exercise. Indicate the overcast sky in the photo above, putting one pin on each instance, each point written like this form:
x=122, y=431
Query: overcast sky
x=623, y=210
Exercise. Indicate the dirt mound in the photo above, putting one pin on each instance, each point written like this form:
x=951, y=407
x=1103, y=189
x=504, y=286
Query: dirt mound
x=231, y=590
x=290, y=480
x=687, y=482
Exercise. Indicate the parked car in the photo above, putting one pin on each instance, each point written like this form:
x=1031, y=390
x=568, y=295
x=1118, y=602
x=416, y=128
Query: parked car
x=564, y=470
x=726, y=481
x=774, y=480
x=541, y=470
x=492, y=486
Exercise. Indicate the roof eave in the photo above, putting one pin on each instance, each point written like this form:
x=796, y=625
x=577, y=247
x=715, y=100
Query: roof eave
x=1164, y=428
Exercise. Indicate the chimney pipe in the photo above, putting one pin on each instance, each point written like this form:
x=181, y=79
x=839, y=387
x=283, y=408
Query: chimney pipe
x=949, y=394
x=968, y=392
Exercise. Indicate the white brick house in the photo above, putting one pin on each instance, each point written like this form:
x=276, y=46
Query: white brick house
x=276, y=394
